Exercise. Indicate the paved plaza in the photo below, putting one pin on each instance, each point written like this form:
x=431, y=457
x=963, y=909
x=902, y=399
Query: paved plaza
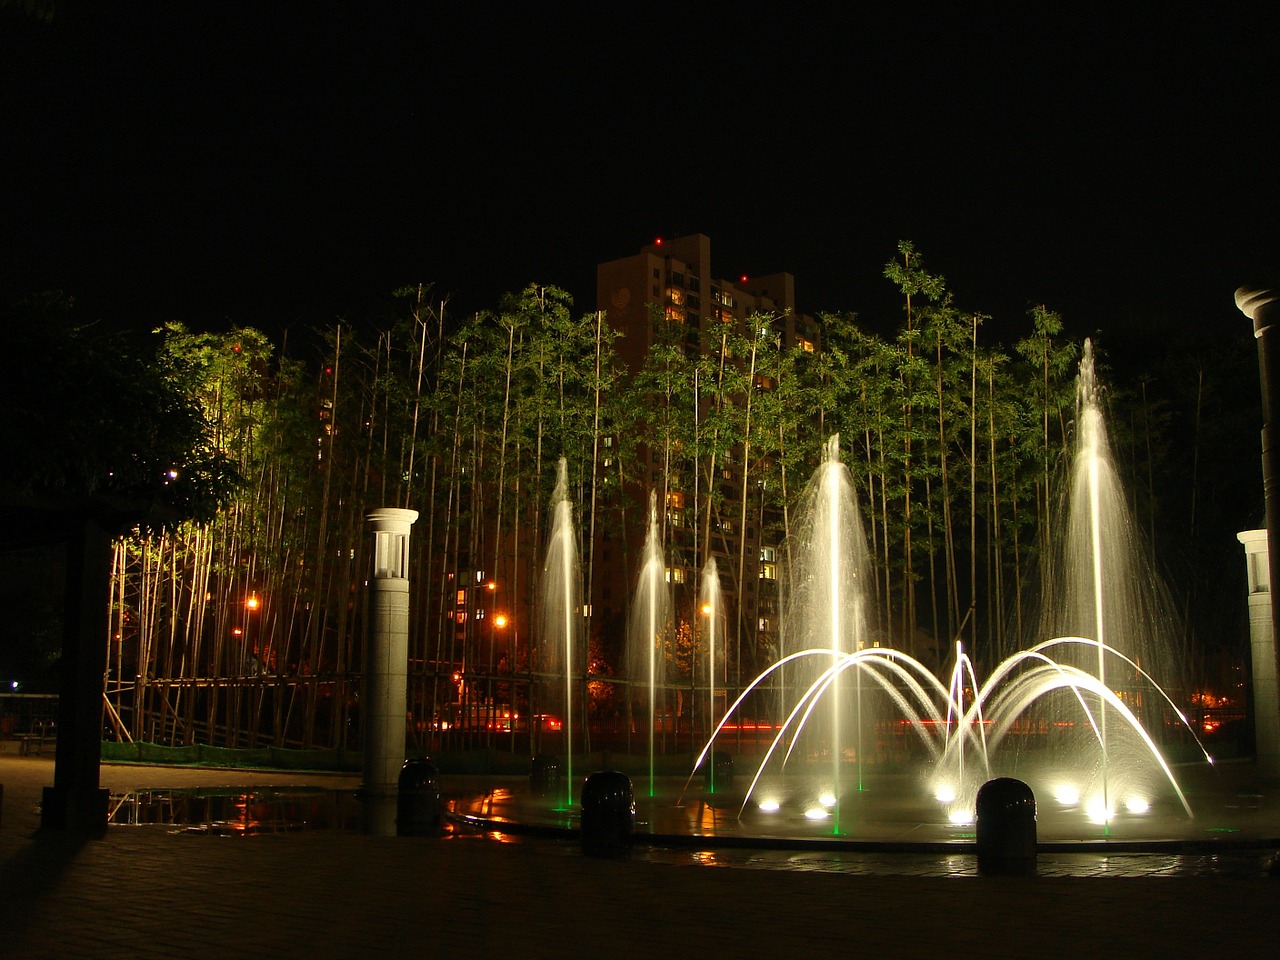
x=155, y=891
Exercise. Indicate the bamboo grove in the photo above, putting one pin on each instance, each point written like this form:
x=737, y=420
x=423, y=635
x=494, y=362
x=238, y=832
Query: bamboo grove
x=247, y=631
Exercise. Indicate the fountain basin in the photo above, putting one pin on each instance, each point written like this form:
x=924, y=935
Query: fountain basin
x=893, y=813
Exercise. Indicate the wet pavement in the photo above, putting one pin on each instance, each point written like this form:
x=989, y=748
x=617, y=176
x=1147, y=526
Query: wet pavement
x=167, y=890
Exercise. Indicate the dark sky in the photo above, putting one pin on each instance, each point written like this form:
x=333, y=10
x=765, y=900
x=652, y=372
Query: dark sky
x=283, y=164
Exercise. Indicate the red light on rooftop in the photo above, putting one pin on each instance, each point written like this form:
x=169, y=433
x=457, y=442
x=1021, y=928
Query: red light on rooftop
x=657, y=241
x=743, y=278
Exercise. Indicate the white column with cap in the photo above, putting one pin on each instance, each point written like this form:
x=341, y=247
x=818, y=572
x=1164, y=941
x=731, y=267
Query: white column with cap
x=386, y=668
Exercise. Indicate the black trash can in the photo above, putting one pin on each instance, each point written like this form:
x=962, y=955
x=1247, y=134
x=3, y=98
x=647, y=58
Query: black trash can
x=608, y=814
x=418, y=812
x=717, y=771
x=544, y=775
x=1006, y=815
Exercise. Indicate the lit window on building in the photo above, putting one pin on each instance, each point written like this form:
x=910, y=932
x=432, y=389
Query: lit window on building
x=768, y=571
x=804, y=344
x=462, y=598
x=768, y=554
x=675, y=574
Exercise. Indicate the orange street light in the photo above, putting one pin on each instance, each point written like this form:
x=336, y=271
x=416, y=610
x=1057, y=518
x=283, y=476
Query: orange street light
x=500, y=621
x=252, y=603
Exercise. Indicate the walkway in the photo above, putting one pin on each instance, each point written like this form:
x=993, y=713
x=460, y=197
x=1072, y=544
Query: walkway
x=147, y=892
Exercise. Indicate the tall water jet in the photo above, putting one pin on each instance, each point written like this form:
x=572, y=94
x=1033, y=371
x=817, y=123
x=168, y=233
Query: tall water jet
x=559, y=605
x=650, y=612
x=1101, y=587
x=709, y=605
x=827, y=599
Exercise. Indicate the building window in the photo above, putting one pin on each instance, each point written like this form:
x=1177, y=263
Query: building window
x=462, y=598
x=805, y=345
x=675, y=574
x=768, y=554
x=768, y=571
x=676, y=508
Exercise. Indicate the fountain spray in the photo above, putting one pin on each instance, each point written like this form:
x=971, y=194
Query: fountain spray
x=710, y=608
x=649, y=615
x=560, y=605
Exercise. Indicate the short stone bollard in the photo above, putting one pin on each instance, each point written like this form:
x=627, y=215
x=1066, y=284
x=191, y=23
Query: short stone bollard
x=717, y=771
x=544, y=775
x=608, y=814
x=418, y=799
x=1006, y=815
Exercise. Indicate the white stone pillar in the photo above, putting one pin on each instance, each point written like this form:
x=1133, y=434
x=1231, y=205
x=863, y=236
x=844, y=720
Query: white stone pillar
x=1266, y=685
x=386, y=668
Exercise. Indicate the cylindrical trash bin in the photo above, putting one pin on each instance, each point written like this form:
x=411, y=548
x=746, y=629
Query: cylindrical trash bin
x=1006, y=815
x=717, y=771
x=608, y=813
x=418, y=799
x=544, y=775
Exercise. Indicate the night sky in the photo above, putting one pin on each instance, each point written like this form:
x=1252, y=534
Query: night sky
x=283, y=164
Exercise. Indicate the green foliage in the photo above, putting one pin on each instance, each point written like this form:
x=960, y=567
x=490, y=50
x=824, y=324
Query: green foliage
x=100, y=414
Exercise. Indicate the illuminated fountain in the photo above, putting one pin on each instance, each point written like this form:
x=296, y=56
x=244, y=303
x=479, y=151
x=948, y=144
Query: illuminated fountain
x=650, y=613
x=1088, y=689
x=710, y=605
x=559, y=606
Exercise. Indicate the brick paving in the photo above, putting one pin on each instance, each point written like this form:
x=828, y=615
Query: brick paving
x=144, y=892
